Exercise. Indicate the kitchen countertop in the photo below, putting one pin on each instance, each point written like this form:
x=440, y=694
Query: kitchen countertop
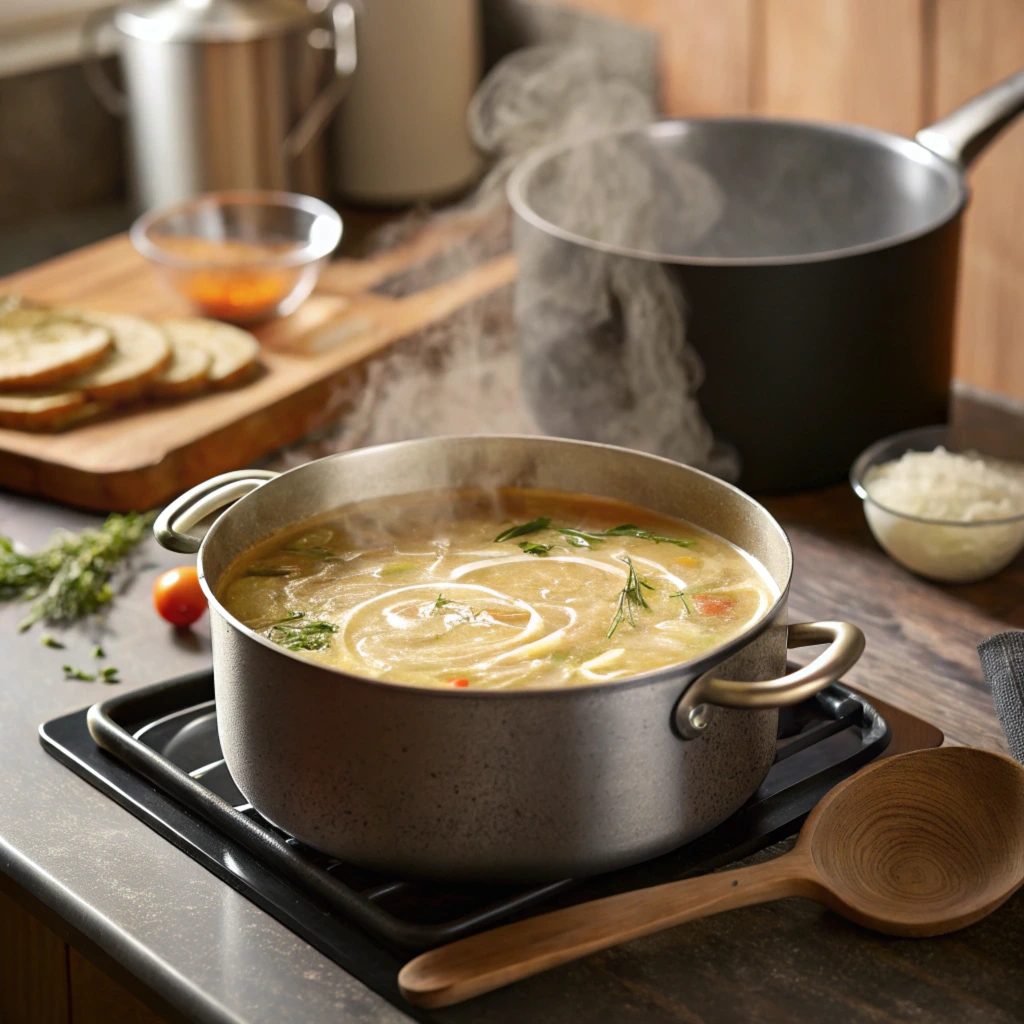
x=130, y=898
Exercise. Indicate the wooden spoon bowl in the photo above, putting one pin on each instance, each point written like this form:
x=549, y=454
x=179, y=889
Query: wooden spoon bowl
x=919, y=844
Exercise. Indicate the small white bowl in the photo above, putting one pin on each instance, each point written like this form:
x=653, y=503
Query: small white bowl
x=938, y=549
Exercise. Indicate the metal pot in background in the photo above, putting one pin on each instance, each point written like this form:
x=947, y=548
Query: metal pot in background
x=498, y=785
x=401, y=134
x=224, y=94
x=818, y=276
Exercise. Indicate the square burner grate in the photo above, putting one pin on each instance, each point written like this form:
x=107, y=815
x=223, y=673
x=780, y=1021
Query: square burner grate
x=161, y=759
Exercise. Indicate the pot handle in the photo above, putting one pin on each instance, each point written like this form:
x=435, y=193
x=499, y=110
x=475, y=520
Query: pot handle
x=845, y=646
x=343, y=43
x=960, y=136
x=203, y=500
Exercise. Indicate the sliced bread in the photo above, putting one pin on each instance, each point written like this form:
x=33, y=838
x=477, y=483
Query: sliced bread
x=46, y=410
x=140, y=353
x=40, y=347
x=186, y=374
x=234, y=352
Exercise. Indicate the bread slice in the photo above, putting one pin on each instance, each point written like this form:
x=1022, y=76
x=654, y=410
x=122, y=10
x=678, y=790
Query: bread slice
x=186, y=374
x=46, y=410
x=140, y=353
x=40, y=347
x=234, y=352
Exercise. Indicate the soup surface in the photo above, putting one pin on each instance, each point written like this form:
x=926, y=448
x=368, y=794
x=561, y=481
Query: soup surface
x=497, y=589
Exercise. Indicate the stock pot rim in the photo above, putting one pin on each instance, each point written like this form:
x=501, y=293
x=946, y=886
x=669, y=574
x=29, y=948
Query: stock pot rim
x=688, y=670
x=899, y=145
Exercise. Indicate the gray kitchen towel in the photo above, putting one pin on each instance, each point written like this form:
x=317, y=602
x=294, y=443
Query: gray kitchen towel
x=1002, y=661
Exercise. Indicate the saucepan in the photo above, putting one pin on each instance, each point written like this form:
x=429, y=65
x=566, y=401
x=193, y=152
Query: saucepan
x=500, y=785
x=814, y=267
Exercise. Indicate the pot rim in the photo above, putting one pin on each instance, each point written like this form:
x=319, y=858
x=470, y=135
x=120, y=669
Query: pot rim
x=903, y=147
x=692, y=668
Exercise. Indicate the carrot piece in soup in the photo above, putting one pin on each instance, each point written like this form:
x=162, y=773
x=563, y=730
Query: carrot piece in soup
x=712, y=604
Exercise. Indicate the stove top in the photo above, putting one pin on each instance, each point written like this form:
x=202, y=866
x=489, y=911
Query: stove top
x=161, y=759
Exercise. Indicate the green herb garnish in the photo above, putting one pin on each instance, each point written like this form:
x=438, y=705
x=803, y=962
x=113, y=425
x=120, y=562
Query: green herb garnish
x=533, y=526
x=323, y=554
x=110, y=675
x=307, y=636
x=70, y=575
x=440, y=602
x=631, y=598
x=629, y=530
x=70, y=672
x=271, y=570
x=531, y=548
x=577, y=538
x=587, y=538
x=48, y=641
x=681, y=594
x=98, y=652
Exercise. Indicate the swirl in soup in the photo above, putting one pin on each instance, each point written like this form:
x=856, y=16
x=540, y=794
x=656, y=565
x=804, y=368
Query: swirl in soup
x=497, y=589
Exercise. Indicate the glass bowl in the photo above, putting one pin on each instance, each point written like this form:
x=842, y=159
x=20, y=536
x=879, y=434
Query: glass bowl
x=938, y=549
x=241, y=256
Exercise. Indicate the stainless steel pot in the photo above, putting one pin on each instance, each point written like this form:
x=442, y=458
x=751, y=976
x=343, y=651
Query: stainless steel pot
x=817, y=264
x=224, y=94
x=514, y=785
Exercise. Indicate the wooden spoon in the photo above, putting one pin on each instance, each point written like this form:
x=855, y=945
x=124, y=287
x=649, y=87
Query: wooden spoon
x=918, y=844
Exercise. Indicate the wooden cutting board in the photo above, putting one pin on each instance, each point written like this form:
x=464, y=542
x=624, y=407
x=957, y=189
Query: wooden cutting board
x=139, y=458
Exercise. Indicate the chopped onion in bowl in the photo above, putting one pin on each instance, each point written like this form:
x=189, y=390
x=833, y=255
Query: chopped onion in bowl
x=950, y=516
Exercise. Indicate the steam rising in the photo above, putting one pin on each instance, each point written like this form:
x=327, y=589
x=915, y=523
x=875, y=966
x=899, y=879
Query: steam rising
x=600, y=352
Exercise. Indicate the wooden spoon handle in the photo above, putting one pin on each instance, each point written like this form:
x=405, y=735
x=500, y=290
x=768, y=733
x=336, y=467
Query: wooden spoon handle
x=488, y=961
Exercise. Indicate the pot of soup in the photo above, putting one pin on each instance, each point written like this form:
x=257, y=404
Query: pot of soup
x=500, y=659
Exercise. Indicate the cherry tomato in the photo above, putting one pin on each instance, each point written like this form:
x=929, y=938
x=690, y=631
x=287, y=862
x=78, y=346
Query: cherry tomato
x=177, y=596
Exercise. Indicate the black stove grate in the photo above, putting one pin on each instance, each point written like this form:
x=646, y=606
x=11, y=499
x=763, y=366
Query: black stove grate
x=162, y=761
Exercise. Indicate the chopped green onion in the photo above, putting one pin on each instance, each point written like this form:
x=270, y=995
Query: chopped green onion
x=70, y=672
x=48, y=641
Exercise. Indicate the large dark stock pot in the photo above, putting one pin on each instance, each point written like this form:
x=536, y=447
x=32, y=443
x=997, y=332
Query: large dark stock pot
x=813, y=268
x=516, y=785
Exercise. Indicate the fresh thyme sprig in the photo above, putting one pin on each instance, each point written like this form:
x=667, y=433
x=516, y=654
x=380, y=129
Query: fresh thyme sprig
x=682, y=595
x=70, y=575
x=307, y=636
x=631, y=597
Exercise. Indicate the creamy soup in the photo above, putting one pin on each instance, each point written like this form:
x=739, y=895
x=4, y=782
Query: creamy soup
x=496, y=590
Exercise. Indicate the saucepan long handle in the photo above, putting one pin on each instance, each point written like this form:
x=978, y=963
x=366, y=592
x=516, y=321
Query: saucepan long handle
x=845, y=646
x=960, y=136
x=485, y=962
x=172, y=525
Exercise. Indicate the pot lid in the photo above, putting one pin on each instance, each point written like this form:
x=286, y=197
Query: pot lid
x=210, y=21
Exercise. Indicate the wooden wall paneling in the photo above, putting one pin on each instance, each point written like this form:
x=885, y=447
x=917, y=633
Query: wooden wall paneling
x=860, y=61
x=706, y=49
x=33, y=969
x=98, y=999
x=977, y=44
